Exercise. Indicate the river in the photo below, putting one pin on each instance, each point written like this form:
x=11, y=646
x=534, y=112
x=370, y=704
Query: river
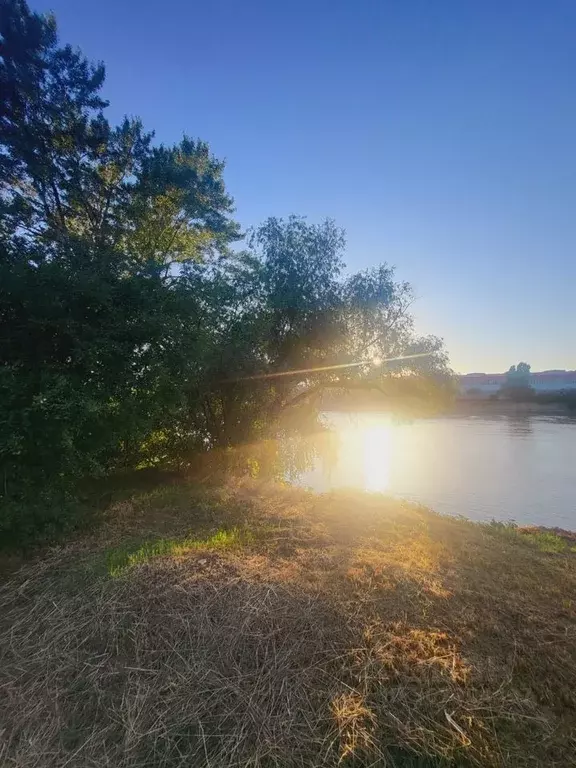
x=520, y=468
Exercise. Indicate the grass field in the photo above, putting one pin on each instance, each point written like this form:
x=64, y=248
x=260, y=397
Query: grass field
x=248, y=624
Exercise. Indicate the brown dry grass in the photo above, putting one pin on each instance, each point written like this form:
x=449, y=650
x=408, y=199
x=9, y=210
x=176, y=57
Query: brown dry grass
x=331, y=630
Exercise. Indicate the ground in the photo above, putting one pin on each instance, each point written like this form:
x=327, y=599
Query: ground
x=251, y=624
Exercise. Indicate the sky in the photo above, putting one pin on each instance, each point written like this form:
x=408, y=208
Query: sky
x=440, y=134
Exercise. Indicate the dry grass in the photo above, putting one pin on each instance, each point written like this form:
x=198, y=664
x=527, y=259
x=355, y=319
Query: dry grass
x=250, y=625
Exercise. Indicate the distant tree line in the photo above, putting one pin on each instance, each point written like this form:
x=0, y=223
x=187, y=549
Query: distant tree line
x=136, y=320
x=519, y=388
x=517, y=384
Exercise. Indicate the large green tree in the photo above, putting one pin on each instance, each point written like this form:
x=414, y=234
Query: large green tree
x=66, y=174
x=131, y=331
x=285, y=325
x=95, y=333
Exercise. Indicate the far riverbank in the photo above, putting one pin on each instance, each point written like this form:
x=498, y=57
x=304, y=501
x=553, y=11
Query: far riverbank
x=484, y=407
x=459, y=407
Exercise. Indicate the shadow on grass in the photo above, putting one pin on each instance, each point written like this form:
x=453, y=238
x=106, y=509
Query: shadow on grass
x=355, y=630
x=234, y=667
x=401, y=758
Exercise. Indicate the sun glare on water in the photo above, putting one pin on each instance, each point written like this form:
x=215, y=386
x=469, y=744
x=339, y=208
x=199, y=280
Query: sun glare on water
x=366, y=455
x=377, y=454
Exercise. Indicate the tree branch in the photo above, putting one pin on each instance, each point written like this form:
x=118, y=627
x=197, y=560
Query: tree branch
x=389, y=326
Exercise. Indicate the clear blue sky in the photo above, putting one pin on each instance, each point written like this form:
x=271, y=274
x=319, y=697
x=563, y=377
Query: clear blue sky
x=441, y=134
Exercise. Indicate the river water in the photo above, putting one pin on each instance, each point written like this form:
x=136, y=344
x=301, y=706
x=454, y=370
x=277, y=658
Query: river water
x=520, y=468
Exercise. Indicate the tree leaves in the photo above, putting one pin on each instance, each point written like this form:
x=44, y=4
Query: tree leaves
x=130, y=329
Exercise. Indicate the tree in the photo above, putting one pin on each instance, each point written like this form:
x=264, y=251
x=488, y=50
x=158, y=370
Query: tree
x=284, y=325
x=66, y=175
x=517, y=385
x=131, y=332
x=95, y=331
x=518, y=375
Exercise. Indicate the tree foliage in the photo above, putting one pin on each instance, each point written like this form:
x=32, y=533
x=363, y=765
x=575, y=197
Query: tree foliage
x=517, y=384
x=130, y=330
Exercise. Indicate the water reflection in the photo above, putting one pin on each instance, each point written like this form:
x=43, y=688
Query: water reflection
x=520, y=424
x=520, y=467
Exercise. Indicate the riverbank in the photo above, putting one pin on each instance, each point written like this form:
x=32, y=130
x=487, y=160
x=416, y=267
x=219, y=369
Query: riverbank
x=253, y=624
x=461, y=406
x=502, y=407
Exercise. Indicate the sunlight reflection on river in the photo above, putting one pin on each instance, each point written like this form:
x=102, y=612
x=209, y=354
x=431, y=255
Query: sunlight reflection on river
x=520, y=467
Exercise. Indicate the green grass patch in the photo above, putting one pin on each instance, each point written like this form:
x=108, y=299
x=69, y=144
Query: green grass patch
x=545, y=541
x=120, y=559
